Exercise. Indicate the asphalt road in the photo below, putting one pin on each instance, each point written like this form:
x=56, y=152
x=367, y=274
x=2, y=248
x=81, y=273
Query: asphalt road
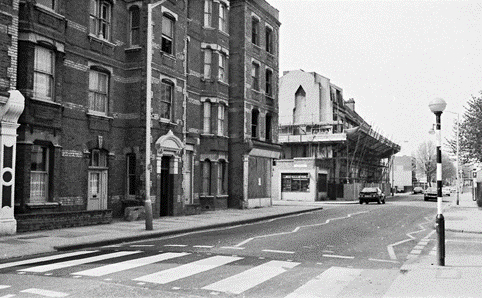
x=342, y=250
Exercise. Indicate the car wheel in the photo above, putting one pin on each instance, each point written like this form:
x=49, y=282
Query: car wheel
x=361, y=202
x=366, y=202
x=383, y=202
x=425, y=199
x=378, y=201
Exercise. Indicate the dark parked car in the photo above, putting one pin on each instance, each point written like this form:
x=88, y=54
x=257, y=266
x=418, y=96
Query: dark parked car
x=373, y=194
x=430, y=194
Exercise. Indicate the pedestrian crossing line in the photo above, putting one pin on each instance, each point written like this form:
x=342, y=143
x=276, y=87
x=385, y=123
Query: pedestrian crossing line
x=328, y=284
x=232, y=247
x=337, y=256
x=46, y=293
x=4, y=287
x=278, y=251
x=203, y=246
x=130, y=264
x=250, y=278
x=71, y=263
x=8, y=296
x=175, y=245
x=381, y=260
x=43, y=259
x=169, y=275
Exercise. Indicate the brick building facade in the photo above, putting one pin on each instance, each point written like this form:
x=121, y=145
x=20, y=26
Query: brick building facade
x=82, y=69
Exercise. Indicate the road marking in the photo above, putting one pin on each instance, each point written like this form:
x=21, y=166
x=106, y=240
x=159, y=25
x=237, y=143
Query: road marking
x=250, y=278
x=141, y=283
x=337, y=256
x=298, y=228
x=419, y=247
x=330, y=251
x=463, y=241
x=416, y=251
x=141, y=245
x=4, y=287
x=169, y=275
x=391, y=252
x=46, y=293
x=279, y=251
x=43, y=259
x=8, y=296
x=126, y=265
x=328, y=284
x=55, y=266
x=380, y=260
x=203, y=246
x=176, y=245
x=232, y=247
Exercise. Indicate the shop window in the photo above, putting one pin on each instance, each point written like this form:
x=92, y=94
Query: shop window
x=295, y=182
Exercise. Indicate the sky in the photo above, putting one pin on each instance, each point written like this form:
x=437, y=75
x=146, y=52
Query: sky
x=391, y=57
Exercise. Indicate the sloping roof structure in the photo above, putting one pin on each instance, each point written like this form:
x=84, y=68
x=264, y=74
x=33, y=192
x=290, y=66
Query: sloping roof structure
x=377, y=144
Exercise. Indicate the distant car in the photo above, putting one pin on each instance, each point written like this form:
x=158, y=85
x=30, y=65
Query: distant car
x=430, y=194
x=371, y=194
x=446, y=191
x=417, y=189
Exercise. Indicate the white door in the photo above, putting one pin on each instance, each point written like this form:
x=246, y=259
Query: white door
x=97, y=194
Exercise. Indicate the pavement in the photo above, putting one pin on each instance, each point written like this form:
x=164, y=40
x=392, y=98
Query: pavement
x=419, y=277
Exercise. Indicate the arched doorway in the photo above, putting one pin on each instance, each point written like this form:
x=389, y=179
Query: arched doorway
x=169, y=148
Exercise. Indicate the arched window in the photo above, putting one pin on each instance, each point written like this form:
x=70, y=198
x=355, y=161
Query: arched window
x=167, y=42
x=167, y=96
x=254, y=123
x=206, y=168
x=134, y=16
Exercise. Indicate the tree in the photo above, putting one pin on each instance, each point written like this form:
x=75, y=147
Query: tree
x=470, y=139
x=426, y=163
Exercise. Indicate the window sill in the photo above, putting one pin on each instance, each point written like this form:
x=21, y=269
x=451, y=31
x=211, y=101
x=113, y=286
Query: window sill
x=98, y=115
x=257, y=91
x=46, y=205
x=224, y=33
x=133, y=48
x=46, y=101
x=208, y=27
x=223, y=83
x=92, y=36
x=206, y=196
x=256, y=46
x=270, y=54
x=167, y=55
x=223, y=196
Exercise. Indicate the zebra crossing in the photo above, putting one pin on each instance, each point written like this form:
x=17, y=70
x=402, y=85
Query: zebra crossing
x=207, y=275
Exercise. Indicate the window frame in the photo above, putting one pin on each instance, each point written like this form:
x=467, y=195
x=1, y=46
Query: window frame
x=207, y=177
x=45, y=173
x=40, y=72
x=102, y=162
x=98, y=91
x=207, y=71
x=223, y=17
x=208, y=13
x=255, y=30
x=269, y=82
x=134, y=27
x=98, y=21
x=254, y=123
x=269, y=34
x=222, y=67
x=221, y=119
x=255, y=75
x=269, y=127
x=207, y=117
x=163, y=101
x=53, y=5
x=167, y=38
x=222, y=177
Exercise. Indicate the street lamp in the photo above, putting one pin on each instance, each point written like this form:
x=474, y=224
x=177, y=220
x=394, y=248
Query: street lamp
x=148, y=166
x=437, y=106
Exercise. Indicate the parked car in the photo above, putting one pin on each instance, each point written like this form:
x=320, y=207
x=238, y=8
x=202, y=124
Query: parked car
x=373, y=194
x=417, y=189
x=430, y=194
x=446, y=191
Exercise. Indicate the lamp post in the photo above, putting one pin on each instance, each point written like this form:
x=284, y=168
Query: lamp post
x=437, y=106
x=148, y=166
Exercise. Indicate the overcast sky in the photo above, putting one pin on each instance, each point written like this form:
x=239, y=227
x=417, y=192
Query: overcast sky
x=392, y=57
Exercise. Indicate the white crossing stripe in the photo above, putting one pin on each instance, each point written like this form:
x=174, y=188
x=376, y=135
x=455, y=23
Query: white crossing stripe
x=8, y=296
x=43, y=259
x=4, y=287
x=46, y=293
x=243, y=281
x=203, y=246
x=112, y=268
x=328, y=284
x=55, y=266
x=166, y=276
